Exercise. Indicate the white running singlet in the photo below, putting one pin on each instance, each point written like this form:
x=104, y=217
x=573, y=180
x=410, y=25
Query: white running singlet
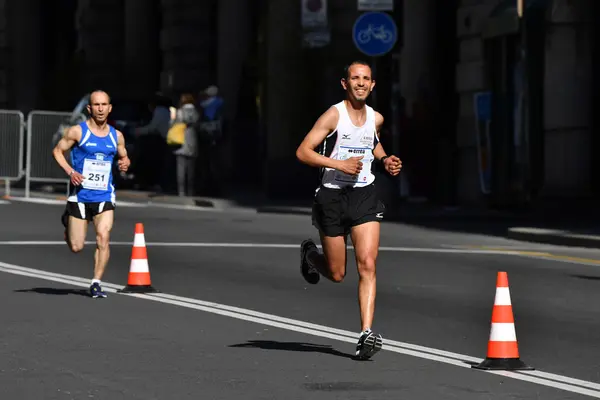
x=350, y=140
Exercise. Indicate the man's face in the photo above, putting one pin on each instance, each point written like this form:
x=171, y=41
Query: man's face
x=359, y=83
x=99, y=106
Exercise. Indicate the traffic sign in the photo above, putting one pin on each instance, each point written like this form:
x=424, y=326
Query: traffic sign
x=375, y=33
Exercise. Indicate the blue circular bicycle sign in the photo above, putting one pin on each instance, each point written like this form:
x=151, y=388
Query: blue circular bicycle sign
x=375, y=33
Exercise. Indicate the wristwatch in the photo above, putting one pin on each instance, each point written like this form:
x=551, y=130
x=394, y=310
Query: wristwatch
x=383, y=159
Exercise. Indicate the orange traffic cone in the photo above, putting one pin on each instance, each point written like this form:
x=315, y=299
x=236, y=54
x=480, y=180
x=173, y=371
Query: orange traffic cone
x=503, y=351
x=139, y=272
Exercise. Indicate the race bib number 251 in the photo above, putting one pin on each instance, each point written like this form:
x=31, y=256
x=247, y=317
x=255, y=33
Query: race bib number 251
x=96, y=174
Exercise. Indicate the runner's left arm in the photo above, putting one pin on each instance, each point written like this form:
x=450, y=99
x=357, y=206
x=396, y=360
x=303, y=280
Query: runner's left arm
x=124, y=161
x=391, y=163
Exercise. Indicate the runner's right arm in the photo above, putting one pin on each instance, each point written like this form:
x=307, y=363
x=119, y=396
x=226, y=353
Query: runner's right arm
x=306, y=153
x=71, y=136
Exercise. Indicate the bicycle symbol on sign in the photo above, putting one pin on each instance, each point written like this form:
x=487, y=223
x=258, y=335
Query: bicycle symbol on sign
x=381, y=34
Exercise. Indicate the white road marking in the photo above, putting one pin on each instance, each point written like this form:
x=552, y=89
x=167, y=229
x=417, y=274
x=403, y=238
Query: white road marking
x=188, y=207
x=4, y=202
x=566, y=383
x=58, y=202
x=519, y=253
x=259, y=245
x=36, y=200
x=525, y=254
x=131, y=204
x=120, y=203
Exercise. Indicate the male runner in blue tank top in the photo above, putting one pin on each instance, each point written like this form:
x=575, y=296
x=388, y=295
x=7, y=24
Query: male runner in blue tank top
x=93, y=144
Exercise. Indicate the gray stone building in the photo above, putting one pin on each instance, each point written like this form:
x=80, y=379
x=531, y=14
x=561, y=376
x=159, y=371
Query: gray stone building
x=537, y=70
x=540, y=69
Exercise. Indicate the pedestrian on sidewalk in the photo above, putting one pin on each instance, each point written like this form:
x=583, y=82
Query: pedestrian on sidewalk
x=186, y=119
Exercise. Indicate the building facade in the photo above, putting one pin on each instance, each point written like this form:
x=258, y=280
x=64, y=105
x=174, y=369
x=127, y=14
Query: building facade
x=539, y=71
x=483, y=106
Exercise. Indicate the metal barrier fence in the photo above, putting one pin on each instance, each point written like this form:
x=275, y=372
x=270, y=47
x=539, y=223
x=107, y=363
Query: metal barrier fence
x=40, y=165
x=12, y=128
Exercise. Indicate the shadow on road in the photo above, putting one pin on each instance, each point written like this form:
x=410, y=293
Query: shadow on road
x=292, y=346
x=54, y=291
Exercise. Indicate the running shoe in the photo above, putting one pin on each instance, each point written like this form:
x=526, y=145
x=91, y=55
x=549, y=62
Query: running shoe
x=96, y=291
x=368, y=344
x=310, y=273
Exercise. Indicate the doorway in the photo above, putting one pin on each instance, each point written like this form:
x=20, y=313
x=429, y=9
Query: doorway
x=514, y=59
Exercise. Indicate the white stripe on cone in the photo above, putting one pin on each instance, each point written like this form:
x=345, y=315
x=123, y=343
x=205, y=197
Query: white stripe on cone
x=139, y=266
x=139, y=240
x=503, y=332
x=502, y=297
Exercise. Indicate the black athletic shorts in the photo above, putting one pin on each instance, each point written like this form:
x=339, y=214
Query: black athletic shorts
x=336, y=211
x=86, y=211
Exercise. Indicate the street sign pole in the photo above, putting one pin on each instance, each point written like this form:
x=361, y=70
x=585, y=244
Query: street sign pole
x=374, y=34
x=374, y=73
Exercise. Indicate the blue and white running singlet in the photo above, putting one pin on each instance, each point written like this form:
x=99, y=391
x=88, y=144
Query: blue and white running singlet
x=93, y=158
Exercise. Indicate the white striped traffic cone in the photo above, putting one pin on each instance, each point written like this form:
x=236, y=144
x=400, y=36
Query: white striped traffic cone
x=503, y=350
x=139, y=271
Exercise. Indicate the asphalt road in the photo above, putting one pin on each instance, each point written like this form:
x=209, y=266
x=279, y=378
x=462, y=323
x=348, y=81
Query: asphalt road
x=235, y=319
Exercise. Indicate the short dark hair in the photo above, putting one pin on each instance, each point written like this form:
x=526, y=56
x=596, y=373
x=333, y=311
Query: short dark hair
x=355, y=62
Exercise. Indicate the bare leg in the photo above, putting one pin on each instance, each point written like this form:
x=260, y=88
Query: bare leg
x=332, y=262
x=103, y=223
x=365, y=238
x=76, y=233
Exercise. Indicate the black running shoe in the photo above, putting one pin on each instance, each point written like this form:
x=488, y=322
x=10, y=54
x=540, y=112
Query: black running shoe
x=310, y=274
x=96, y=291
x=368, y=344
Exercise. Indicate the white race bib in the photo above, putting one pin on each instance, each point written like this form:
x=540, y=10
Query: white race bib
x=346, y=152
x=96, y=174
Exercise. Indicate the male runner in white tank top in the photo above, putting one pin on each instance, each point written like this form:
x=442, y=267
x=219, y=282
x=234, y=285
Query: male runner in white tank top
x=346, y=201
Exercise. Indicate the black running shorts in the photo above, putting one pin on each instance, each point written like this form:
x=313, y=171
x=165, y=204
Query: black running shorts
x=336, y=211
x=88, y=211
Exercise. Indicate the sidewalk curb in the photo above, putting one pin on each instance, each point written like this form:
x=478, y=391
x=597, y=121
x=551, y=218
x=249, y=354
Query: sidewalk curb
x=284, y=210
x=553, y=236
x=202, y=203
x=406, y=215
